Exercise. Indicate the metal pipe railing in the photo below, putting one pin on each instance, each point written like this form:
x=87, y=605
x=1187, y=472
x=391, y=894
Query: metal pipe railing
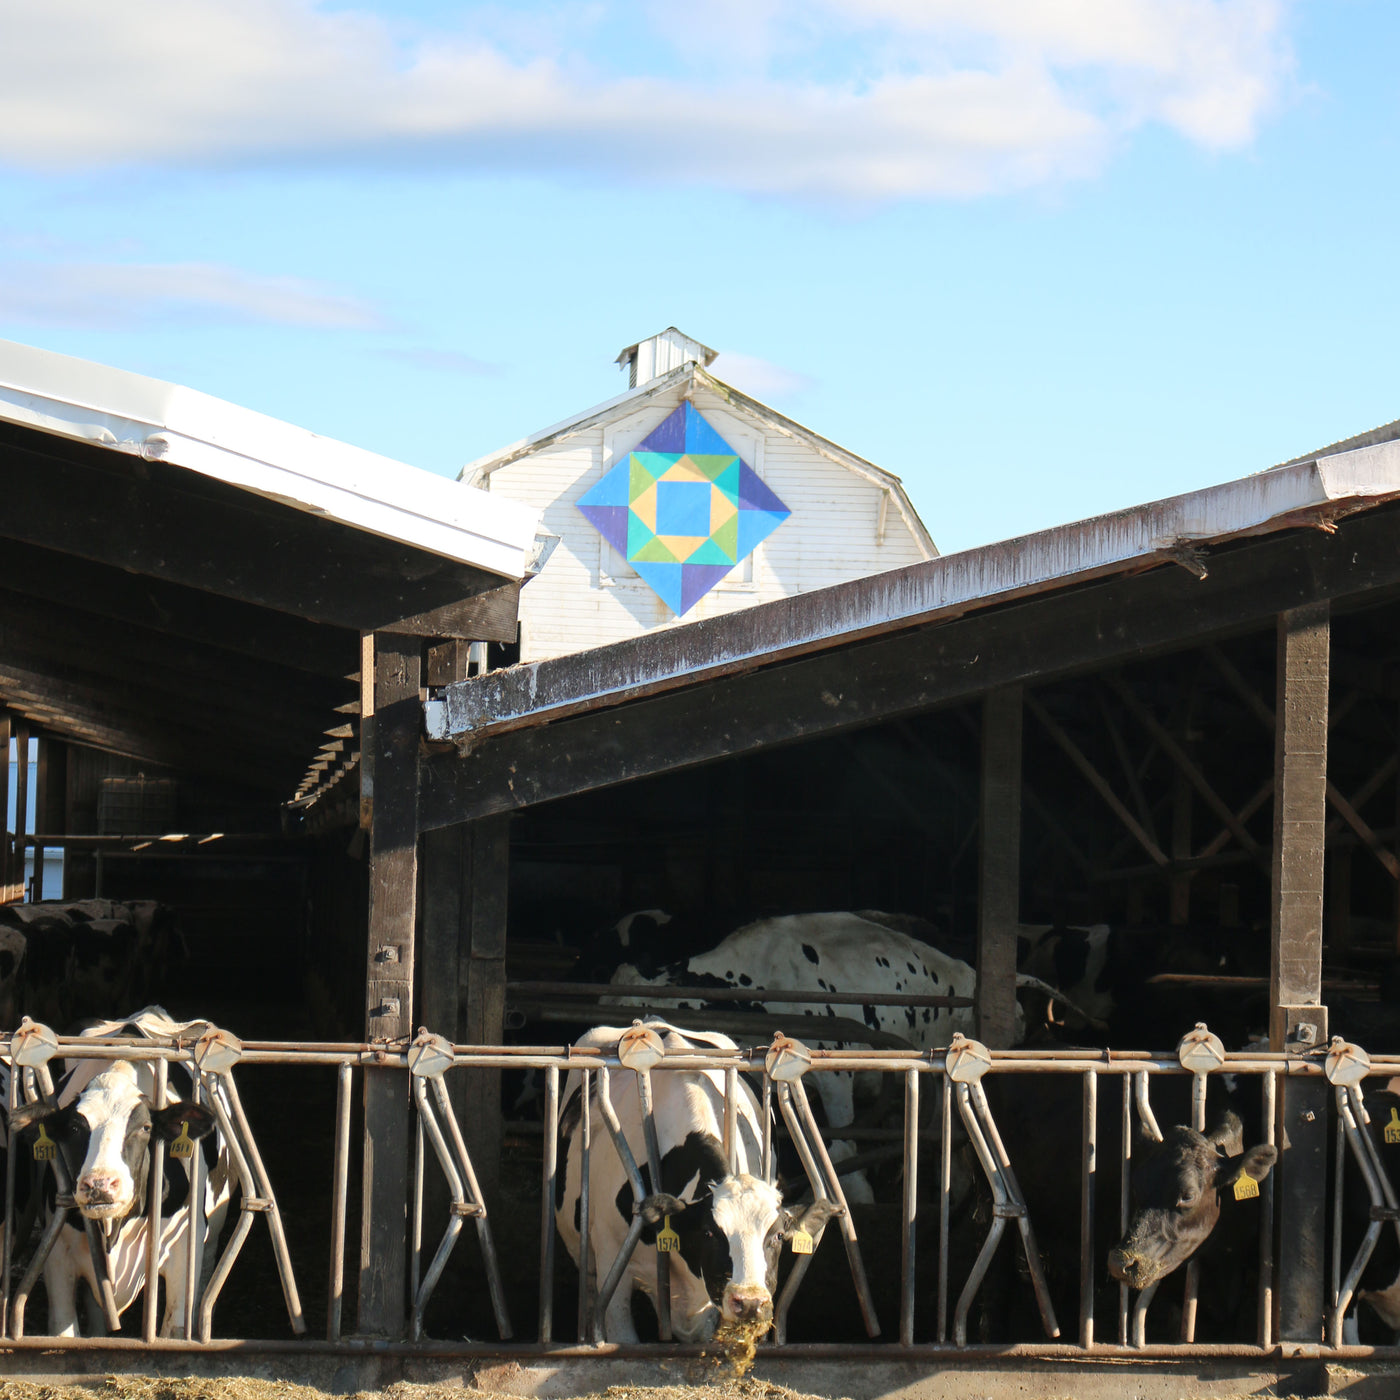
x=1135, y=1070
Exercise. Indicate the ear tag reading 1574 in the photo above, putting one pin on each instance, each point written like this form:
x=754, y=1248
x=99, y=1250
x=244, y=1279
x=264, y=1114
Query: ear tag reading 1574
x=45, y=1148
x=1246, y=1188
x=182, y=1146
x=801, y=1242
x=1392, y=1129
x=667, y=1241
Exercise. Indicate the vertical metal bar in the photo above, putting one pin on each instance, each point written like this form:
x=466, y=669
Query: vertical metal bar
x=1087, y=1190
x=1338, y=1167
x=340, y=1189
x=11, y=1165
x=911, y=1203
x=1125, y=1197
x=1191, y=1290
x=196, y=1226
x=731, y=1119
x=585, y=1262
x=1269, y=1089
x=551, y=1172
x=769, y=1174
x=945, y=1191
x=415, y=1244
x=274, y=1215
x=156, y=1191
x=485, y=1240
x=663, y=1264
x=848, y=1225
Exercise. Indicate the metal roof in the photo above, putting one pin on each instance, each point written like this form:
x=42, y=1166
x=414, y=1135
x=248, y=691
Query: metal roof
x=166, y=422
x=1176, y=530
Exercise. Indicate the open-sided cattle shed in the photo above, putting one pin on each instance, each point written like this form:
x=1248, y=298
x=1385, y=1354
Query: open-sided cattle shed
x=1268, y=592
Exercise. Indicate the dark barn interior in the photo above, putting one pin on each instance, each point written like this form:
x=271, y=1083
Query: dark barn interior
x=1172, y=732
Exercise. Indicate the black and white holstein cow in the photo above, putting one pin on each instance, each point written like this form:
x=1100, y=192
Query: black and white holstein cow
x=104, y=1122
x=731, y=1224
x=817, y=953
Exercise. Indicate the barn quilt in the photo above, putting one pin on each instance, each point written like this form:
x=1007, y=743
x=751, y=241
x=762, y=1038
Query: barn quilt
x=683, y=508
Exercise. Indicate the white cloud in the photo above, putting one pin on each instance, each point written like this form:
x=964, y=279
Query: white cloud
x=121, y=295
x=442, y=361
x=939, y=97
x=761, y=378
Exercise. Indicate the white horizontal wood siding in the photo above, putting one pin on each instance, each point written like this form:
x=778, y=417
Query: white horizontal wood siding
x=587, y=596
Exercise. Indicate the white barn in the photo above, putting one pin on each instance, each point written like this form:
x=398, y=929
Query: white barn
x=848, y=518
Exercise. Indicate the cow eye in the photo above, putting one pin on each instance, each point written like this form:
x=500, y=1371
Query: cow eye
x=1185, y=1200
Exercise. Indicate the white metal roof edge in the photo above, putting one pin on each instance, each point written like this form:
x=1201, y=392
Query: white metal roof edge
x=159, y=421
x=919, y=593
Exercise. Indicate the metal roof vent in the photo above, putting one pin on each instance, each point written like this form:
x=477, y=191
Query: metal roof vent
x=660, y=354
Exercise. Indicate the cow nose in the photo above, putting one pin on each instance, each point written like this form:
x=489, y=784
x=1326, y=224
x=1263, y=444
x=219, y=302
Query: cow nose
x=747, y=1305
x=1126, y=1268
x=100, y=1188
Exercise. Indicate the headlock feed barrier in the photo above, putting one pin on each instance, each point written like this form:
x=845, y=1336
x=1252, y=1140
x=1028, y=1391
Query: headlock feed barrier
x=958, y=1076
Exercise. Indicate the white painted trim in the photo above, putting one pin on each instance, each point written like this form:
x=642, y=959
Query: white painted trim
x=152, y=419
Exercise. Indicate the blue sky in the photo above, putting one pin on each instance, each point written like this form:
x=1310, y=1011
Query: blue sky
x=1043, y=258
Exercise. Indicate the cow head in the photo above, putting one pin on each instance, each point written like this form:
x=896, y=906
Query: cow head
x=1176, y=1197
x=111, y=1126
x=731, y=1239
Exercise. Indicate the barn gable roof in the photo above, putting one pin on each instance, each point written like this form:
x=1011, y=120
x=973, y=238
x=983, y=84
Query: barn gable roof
x=685, y=377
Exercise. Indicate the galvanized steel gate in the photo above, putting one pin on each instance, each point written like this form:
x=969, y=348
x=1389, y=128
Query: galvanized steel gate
x=779, y=1071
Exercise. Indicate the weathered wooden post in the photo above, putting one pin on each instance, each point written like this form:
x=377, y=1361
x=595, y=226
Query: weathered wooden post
x=999, y=867
x=1298, y=1020
x=466, y=871
x=391, y=668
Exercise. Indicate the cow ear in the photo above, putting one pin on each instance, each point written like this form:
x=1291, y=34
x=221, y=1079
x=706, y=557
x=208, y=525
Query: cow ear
x=1228, y=1135
x=28, y=1116
x=1255, y=1163
x=811, y=1219
x=167, y=1122
x=659, y=1205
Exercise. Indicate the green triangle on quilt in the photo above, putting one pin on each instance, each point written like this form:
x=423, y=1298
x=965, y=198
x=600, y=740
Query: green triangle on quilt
x=639, y=535
x=653, y=552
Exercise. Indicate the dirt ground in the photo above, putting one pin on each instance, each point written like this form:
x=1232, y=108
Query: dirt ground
x=157, y=1388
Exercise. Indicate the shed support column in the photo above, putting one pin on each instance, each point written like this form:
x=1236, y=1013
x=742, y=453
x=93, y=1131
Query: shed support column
x=392, y=707
x=465, y=877
x=481, y=980
x=999, y=867
x=1298, y=1019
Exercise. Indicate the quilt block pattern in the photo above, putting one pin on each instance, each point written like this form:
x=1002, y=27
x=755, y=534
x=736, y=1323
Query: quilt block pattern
x=683, y=508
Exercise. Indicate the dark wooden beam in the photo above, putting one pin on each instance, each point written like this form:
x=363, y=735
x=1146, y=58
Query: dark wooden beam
x=1061, y=634
x=1298, y=1018
x=178, y=612
x=154, y=518
x=393, y=903
x=999, y=868
x=169, y=668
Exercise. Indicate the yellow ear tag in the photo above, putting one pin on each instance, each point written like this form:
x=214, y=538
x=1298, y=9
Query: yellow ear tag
x=45, y=1148
x=1392, y=1129
x=182, y=1146
x=1246, y=1188
x=801, y=1242
x=667, y=1241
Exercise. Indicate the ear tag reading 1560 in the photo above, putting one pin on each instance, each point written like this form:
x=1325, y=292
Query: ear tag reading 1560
x=1392, y=1129
x=667, y=1241
x=801, y=1242
x=182, y=1146
x=1246, y=1188
x=45, y=1148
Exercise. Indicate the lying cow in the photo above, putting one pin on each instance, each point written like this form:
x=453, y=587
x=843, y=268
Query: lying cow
x=104, y=1122
x=1180, y=1188
x=731, y=1224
